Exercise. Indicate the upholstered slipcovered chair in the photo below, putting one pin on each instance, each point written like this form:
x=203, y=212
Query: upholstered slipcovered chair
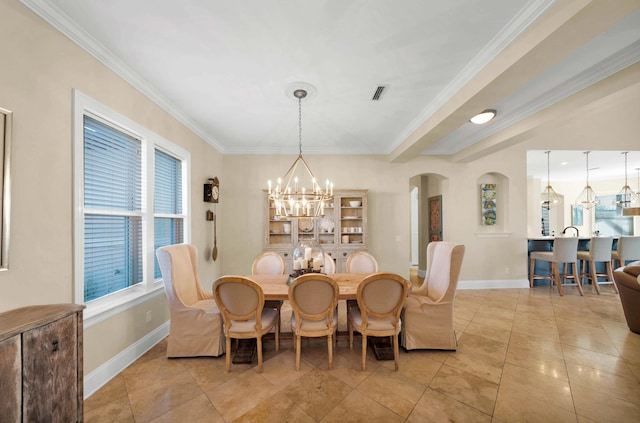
x=428, y=311
x=195, y=327
x=314, y=299
x=627, y=280
x=241, y=302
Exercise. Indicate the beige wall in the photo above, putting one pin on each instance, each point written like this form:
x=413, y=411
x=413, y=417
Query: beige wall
x=40, y=68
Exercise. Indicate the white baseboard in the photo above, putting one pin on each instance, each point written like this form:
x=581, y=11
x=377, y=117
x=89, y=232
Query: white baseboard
x=103, y=374
x=494, y=284
x=487, y=284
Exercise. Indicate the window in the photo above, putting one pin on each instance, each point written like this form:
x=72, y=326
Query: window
x=609, y=218
x=130, y=187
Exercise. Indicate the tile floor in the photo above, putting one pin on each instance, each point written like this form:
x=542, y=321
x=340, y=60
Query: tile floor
x=524, y=355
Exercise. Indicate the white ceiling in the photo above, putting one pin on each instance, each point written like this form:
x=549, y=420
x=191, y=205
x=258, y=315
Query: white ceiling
x=225, y=67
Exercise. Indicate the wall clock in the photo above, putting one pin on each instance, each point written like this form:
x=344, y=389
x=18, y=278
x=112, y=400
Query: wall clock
x=212, y=191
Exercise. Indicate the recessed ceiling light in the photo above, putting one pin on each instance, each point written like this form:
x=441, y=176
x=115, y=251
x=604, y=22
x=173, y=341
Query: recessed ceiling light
x=483, y=117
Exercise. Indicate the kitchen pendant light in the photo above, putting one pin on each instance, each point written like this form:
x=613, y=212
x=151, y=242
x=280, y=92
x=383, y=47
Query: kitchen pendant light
x=635, y=209
x=587, y=198
x=289, y=196
x=626, y=196
x=549, y=198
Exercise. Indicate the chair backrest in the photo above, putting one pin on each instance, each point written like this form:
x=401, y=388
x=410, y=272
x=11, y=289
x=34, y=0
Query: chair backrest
x=239, y=299
x=313, y=296
x=268, y=263
x=179, y=268
x=600, y=248
x=629, y=248
x=565, y=249
x=382, y=296
x=444, y=261
x=329, y=264
x=361, y=262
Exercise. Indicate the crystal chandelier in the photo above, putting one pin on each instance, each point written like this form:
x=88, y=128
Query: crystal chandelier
x=549, y=198
x=291, y=199
x=626, y=194
x=587, y=198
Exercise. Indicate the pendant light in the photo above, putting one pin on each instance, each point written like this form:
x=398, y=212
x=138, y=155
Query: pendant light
x=627, y=197
x=549, y=198
x=635, y=210
x=587, y=198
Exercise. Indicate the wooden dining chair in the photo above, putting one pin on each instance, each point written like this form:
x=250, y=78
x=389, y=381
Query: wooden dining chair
x=241, y=302
x=314, y=300
x=329, y=264
x=380, y=300
x=361, y=262
x=270, y=263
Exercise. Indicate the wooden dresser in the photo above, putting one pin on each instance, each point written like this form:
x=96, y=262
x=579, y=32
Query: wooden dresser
x=41, y=375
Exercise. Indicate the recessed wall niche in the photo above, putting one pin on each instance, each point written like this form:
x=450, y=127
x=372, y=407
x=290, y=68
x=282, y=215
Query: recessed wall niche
x=492, y=204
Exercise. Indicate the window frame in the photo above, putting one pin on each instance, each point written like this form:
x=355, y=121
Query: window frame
x=111, y=304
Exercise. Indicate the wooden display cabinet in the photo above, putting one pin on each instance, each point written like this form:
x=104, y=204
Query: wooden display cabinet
x=342, y=229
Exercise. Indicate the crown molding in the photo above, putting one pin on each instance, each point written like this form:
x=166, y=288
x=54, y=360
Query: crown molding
x=60, y=21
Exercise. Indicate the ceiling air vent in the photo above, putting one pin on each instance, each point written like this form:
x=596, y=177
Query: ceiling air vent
x=378, y=93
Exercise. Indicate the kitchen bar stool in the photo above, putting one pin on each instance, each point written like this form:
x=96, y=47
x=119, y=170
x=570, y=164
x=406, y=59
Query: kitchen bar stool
x=599, y=252
x=628, y=250
x=565, y=250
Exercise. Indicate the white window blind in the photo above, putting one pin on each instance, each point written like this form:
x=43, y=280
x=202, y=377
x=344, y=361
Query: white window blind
x=168, y=219
x=113, y=205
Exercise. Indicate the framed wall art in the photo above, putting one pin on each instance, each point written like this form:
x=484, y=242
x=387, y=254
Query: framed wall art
x=488, y=199
x=5, y=184
x=435, y=218
x=576, y=216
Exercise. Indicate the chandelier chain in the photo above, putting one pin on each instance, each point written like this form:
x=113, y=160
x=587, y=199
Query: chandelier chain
x=300, y=125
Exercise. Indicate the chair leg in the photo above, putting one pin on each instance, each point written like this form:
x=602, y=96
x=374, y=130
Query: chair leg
x=228, y=354
x=532, y=265
x=576, y=277
x=556, y=276
x=330, y=350
x=594, y=276
x=278, y=332
x=610, y=275
x=259, y=345
x=395, y=350
x=350, y=329
x=298, y=346
x=364, y=351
